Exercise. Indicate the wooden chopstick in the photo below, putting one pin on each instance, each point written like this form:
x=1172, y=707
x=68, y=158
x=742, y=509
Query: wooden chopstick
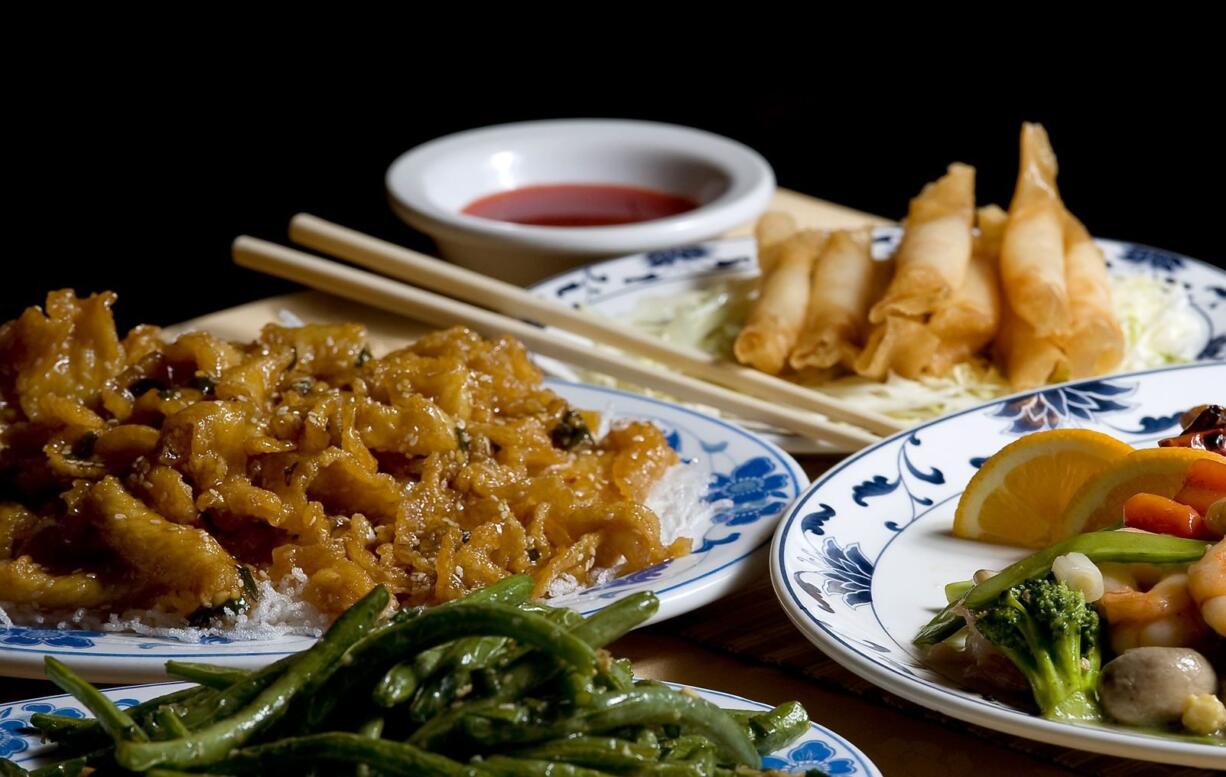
x=398, y=262
x=434, y=309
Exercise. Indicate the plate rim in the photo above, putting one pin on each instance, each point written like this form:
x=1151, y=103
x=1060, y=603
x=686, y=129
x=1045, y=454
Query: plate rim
x=933, y=696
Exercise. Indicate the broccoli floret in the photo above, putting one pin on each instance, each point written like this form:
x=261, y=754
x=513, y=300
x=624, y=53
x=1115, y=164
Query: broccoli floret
x=1049, y=632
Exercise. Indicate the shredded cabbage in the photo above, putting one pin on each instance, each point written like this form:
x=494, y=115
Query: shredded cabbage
x=1159, y=328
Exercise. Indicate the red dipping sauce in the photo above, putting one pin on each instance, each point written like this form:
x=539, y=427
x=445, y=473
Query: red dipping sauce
x=579, y=205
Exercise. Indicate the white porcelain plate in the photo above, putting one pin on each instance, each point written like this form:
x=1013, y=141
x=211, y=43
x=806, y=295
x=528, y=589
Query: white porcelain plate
x=615, y=287
x=751, y=481
x=861, y=560
x=820, y=748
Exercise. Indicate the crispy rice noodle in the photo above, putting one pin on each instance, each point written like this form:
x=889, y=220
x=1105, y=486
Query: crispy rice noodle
x=136, y=473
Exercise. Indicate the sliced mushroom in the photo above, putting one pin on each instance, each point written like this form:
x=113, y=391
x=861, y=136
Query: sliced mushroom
x=1148, y=686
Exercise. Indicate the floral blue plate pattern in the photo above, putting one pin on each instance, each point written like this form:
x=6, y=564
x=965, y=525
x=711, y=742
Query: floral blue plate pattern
x=820, y=748
x=861, y=560
x=616, y=286
x=750, y=481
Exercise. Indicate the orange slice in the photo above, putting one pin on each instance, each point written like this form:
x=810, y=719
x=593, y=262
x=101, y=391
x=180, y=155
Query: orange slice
x=1100, y=500
x=1019, y=495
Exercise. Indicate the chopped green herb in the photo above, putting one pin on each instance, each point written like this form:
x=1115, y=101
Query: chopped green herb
x=204, y=617
x=571, y=431
x=83, y=448
x=168, y=393
x=204, y=384
x=302, y=386
x=363, y=356
x=249, y=587
x=144, y=385
x=463, y=438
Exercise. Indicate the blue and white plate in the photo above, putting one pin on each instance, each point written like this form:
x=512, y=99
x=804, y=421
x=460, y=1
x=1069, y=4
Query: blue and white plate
x=616, y=287
x=820, y=748
x=750, y=481
x=861, y=560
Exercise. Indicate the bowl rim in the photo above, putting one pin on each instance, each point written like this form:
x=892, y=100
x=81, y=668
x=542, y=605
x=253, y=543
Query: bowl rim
x=751, y=185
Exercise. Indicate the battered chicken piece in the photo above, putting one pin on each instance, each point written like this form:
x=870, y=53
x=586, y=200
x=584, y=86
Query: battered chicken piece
x=185, y=567
x=144, y=473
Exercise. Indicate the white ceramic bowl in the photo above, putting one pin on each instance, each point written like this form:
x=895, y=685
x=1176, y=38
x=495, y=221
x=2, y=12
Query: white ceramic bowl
x=430, y=185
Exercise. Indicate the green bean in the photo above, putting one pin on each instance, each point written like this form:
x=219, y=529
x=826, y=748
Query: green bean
x=435, y=697
x=384, y=756
x=454, y=672
x=597, y=631
x=957, y=589
x=618, y=618
x=10, y=769
x=214, y=742
x=1121, y=546
x=113, y=720
x=401, y=682
x=168, y=725
x=594, y=752
x=535, y=669
x=219, y=704
x=371, y=729
x=619, y=674
x=777, y=728
x=215, y=677
x=509, y=590
x=698, y=753
x=397, y=686
x=443, y=624
x=502, y=766
x=641, y=706
x=76, y=735
x=58, y=728
x=651, y=705
x=98, y=760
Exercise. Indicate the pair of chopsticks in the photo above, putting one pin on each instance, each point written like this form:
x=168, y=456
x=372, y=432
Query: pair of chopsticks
x=685, y=373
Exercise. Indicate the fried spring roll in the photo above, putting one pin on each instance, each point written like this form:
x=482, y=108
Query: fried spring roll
x=900, y=344
x=778, y=315
x=843, y=285
x=971, y=318
x=772, y=229
x=1027, y=359
x=1032, y=261
x=935, y=249
x=1095, y=344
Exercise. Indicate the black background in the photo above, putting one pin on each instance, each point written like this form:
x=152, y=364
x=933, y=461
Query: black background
x=136, y=176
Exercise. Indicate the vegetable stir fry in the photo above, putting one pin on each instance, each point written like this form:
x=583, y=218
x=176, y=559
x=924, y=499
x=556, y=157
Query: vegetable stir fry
x=1126, y=626
x=490, y=684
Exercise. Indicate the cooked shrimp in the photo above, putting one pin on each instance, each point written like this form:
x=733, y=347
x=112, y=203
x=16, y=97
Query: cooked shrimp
x=1165, y=615
x=1207, y=584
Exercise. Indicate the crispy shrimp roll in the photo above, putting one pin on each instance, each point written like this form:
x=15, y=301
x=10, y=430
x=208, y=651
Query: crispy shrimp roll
x=935, y=249
x=771, y=231
x=905, y=346
x=1095, y=344
x=1032, y=258
x=1027, y=359
x=971, y=319
x=778, y=316
x=842, y=286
